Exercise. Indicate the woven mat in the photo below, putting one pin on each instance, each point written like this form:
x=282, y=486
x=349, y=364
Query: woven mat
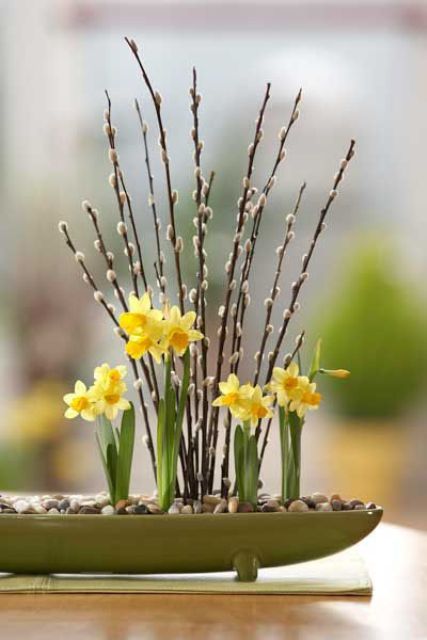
x=342, y=574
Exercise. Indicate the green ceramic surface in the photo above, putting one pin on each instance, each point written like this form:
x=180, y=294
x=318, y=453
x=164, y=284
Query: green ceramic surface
x=175, y=543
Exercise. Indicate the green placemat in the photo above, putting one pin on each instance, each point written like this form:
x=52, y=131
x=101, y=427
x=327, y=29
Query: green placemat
x=342, y=574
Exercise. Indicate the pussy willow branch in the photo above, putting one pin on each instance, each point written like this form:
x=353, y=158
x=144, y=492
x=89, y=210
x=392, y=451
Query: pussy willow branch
x=287, y=360
x=296, y=286
x=243, y=299
x=118, y=290
x=99, y=297
x=231, y=284
x=274, y=292
x=267, y=328
x=115, y=183
x=199, y=241
x=152, y=202
x=177, y=243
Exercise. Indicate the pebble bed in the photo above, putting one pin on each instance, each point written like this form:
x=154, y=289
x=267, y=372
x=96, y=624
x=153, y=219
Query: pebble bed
x=147, y=505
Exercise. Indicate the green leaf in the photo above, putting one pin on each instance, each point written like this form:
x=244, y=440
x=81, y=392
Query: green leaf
x=284, y=450
x=106, y=433
x=112, y=468
x=160, y=438
x=315, y=362
x=295, y=430
x=105, y=466
x=252, y=470
x=238, y=460
x=124, y=462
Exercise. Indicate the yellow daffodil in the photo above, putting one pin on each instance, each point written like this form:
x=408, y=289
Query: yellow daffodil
x=234, y=396
x=140, y=317
x=258, y=406
x=109, y=389
x=178, y=331
x=307, y=399
x=106, y=376
x=285, y=383
x=138, y=346
x=83, y=402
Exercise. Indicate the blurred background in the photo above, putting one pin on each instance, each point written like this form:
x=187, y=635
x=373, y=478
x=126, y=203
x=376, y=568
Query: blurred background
x=362, y=66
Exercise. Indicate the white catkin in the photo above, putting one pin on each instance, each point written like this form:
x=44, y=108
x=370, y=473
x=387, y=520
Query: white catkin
x=119, y=332
x=227, y=267
x=304, y=276
x=174, y=196
x=270, y=355
x=250, y=149
x=184, y=291
x=247, y=300
x=262, y=200
x=85, y=278
x=62, y=226
x=164, y=156
x=282, y=154
x=290, y=236
x=179, y=244
x=290, y=218
x=205, y=271
x=279, y=250
x=343, y=164
x=234, y=358
x=98, y=296
x=268, y=302
x=333, y=194
x=297, y=306
x=146, y=441
x=287, y=314
x=245, y=286
x=158, y=98
x=79, y=256
x=233, y=310
x=282, y=133
x=111, y=308
x=112, y=155
x=137, y=384
x=113, y=180
x=269, y=328
x=323, y=226
x=111, y=275
x=221, y=311
x=272, y=181
x=295, y=115
x=193, y=295
x=248, y=246
x=123, y=197
x=232, y=285
x=257, y=356
x=205, y=285
x=86, y=206
x=254, y=212
x=239, y=331
x=137, y=268
x=246, y=182
x=170, y=233
x=121, y=228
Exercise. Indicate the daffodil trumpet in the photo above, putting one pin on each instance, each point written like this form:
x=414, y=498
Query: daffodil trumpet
x=169, y=430
x=246, y=463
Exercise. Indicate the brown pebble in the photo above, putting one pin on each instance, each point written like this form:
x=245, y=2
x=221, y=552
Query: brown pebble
x=88, y=510
x=324, y=506
x=336, y=496
x=122, y=504
x=154, y=508
x=245, y=507
x=207, y=508
x=214, y=500
x=270, y=506
x=354, y=503
x=187, y=509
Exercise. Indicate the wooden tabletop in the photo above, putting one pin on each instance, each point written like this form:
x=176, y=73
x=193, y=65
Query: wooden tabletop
x=396, y=558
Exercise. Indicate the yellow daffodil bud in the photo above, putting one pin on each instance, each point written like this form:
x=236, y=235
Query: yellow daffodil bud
x=336, y=373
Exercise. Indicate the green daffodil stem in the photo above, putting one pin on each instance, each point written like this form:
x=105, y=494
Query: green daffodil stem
x=169, y=430
x=294, y=468
x=284, y=450
x=246, y=463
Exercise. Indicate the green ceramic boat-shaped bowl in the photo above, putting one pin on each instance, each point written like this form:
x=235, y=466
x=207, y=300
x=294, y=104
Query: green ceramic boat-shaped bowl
x=43, y=544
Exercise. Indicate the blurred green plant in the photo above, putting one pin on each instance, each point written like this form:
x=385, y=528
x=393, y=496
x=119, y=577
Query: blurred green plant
x=376, y=323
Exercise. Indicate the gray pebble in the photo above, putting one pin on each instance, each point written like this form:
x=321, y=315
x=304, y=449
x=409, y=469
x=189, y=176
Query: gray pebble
x=64, y=504
x=336, y=505
x=323, y=506
x=51, y=503
x=359, y=507
x=197, y=506
x=318, y=498
x=74, y=505
x=270, y=506
x=140, y=509
x=371, y=505
x=298, y=506
x=108, y=510
x=175, y=508
x=102, y=501
x=354, y=503
x=221, y=507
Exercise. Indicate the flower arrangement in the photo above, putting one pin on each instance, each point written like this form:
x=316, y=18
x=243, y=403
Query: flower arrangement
x=184, y=362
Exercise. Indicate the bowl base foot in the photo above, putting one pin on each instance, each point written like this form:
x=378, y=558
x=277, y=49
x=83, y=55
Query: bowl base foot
x=246, y=564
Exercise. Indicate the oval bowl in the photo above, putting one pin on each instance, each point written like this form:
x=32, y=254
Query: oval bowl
x=153, y=544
